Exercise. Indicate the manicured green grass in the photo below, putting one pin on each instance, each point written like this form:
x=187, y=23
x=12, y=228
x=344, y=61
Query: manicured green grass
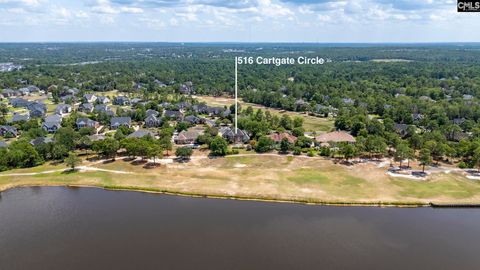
x=308, y=176
x=452, y=186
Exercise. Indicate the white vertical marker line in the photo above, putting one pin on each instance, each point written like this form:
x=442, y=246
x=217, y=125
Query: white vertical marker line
x=236, y=94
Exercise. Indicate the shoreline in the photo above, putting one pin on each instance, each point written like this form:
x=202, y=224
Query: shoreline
x=310, y=181
x=255, y=199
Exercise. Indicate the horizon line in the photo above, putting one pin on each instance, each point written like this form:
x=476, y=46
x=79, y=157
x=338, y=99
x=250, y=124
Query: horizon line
x=247, y=42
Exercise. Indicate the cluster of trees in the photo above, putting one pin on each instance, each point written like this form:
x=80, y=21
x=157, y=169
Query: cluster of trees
x=426, y=144
x=435, y=94
x=259, y=122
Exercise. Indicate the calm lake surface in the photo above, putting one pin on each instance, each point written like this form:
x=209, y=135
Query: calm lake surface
x=65, y=228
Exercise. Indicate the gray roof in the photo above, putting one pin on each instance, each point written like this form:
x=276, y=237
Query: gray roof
x=86, y=106
x=85, y=121
x=62, y=107
x=192, y=119
x=40, y=140
x=89, y=96
x=152, y=112
x=116, y=121
x=121, y=99
x=55, y=118
x=50, y=125
x=8, y=129
x=96, y=137
x=173, y=113
x=20, y=117
x=141, y=133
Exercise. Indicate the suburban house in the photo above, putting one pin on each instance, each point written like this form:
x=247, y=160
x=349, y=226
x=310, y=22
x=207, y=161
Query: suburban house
x=69, y=91
x=200, y=108
x=187, y=136
x=116, y=122
x=102, y=108
x=20, y=117
x=89, y=98
x=174, y=114
x=86, y=108
x=300, y=105
x=186, y=89
x=86, y=122
x=96, y=137
x=67, y=98
x=37, y=109
x=212, y=111
x=165, y=104
x=121, y=101
x=37, y=112
x=18, y=102
x=330, y=138
x=192, y=119
x=25, y=91
x=8, y=131
x=183, y=105
x=134, y=101
x=102, y=100
x=6, y=93
x=40, y=140
x=153, y=121
x=459, y=121
x=278, y=137
x=63, y=109
x=226, y=113
x=152, y=112
x=141, y=133
x=401, y=129
x=52, y=123
x=239, y=137
x=208, y=122
x=51, y=127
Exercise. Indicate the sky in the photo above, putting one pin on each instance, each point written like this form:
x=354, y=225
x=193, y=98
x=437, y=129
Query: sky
x=325, y=21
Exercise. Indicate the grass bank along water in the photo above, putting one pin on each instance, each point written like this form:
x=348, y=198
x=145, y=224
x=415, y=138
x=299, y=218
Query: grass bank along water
x=263, y=177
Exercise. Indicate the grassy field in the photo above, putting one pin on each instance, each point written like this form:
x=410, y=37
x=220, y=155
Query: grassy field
x=311, y=123
x=263, y=177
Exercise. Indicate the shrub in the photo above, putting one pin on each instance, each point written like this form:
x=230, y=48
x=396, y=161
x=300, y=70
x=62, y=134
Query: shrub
x=463, y=165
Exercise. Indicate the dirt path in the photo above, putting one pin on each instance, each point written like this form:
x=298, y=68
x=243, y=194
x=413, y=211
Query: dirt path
x=80, y=168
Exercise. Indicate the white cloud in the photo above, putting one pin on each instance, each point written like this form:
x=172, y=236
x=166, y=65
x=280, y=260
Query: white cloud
x=269, y=20
x=105, y=6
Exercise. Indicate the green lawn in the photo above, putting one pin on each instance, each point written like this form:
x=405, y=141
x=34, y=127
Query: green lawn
x=264, y=177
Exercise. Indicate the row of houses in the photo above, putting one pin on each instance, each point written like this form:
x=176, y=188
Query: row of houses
x=24, y=91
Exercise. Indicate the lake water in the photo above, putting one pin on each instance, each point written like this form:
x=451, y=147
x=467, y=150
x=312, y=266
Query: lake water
x=64, y=228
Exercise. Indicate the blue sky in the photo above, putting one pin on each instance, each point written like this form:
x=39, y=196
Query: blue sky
x=237, y=21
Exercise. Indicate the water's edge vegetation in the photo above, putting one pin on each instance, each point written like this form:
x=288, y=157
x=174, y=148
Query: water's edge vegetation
x=247, y=198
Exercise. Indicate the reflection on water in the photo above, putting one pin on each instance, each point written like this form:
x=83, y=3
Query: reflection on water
x=62, y=228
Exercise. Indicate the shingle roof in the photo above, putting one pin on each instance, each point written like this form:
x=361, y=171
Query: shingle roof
x=278, y=137
x=141, y=133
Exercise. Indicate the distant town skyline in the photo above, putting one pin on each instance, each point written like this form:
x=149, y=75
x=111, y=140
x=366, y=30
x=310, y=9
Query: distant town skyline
x=360, y=21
